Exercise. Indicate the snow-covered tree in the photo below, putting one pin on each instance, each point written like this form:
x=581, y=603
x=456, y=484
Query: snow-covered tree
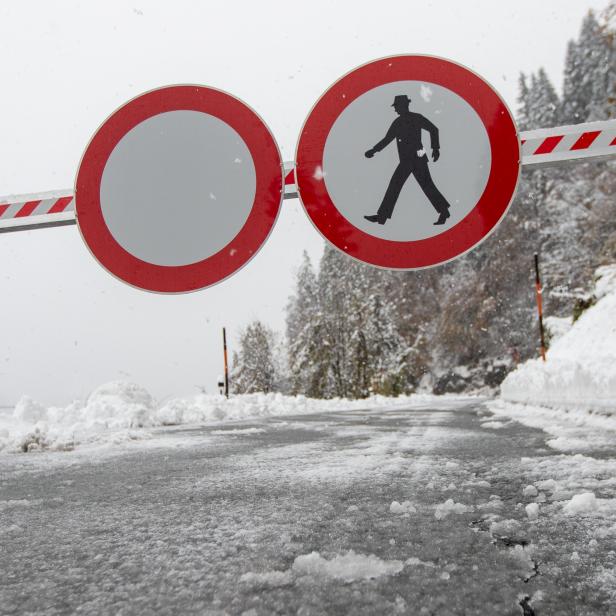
x=523, y=113
x=576, y=98
x=543, y=104
x=342, y=334
x=590, y=75
x=307, y=368
x=254, y=366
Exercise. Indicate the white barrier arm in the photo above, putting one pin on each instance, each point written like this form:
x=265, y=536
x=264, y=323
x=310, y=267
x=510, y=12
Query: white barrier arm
x=592, y=141
x=52, y=209
x=57, y=208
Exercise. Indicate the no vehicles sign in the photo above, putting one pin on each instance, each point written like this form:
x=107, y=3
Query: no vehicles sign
x=178, y=189
x=408, y=162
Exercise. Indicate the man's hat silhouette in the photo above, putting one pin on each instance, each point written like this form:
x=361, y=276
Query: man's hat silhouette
x=401, y=99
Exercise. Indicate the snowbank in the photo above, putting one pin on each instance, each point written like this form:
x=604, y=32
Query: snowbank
x=580, y=372
x=118, y=411
x=404, y=507
x=347, y=567
x=442, y=510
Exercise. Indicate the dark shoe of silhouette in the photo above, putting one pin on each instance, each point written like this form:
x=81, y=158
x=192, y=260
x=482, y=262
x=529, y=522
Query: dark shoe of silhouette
x=442, y=217
x=375, y=218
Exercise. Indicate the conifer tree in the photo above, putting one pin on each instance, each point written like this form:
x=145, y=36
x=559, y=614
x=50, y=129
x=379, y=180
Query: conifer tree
x=523, y=119
x=307, y=366
x=253, y=367
x=543, y=104
x=576, y=99
x=584, y=86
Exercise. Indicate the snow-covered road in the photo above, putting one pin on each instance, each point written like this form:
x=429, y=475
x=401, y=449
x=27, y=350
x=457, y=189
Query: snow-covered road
x=439, y=510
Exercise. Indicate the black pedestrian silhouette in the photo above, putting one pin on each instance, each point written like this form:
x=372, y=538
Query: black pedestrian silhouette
x=406, y=130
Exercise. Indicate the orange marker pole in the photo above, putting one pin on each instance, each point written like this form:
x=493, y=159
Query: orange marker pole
x=539, y=293
x=224, y=348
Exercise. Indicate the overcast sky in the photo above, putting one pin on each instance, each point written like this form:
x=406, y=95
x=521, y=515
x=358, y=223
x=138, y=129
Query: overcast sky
x=67, y=325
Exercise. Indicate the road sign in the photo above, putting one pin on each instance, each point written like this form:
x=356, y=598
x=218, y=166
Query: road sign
x=398, y=117
x=178, y=189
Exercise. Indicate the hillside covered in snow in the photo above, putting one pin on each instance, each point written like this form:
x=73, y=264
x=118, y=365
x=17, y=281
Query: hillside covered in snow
x=580, y=371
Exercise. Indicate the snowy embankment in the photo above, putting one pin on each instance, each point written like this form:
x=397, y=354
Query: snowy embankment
x=118, y=412
x=578, y=380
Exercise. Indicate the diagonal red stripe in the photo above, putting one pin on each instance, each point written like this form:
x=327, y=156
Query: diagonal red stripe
x=290, y=177
x=26, y=209
x=548, y=144
x=60, y=205
x=585, y=140
x=613, y=141
x=523, y=141
x=3, y=208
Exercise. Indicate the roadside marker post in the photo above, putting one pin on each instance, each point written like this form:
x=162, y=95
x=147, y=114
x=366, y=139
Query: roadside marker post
x=539, y=296
x=224, y=349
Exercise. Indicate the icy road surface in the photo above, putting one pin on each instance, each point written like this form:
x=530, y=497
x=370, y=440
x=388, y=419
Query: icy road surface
x=437, y=510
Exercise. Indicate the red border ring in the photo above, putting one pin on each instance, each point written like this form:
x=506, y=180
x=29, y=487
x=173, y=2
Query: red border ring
x=453, y=243
x=265, y=209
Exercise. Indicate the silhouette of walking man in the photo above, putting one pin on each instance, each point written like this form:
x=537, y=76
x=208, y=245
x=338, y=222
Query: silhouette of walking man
x=406, y=130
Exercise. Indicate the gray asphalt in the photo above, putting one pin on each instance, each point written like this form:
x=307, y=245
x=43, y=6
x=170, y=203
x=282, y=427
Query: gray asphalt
x=196, y=522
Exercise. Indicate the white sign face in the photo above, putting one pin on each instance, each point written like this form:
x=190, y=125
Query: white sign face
x=357, y=185
x=177, y=187
x=408, y=162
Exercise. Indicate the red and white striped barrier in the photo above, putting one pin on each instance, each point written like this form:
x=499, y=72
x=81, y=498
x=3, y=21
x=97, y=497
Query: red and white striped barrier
x=544, y=146
x=290, y=188
x=57, y=208
x=37, y=211
x=549, y=146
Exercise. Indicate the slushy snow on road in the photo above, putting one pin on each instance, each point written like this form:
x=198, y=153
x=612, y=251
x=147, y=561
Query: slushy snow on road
x=118, y=412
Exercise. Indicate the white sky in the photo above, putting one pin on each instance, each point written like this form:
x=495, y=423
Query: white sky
x=66, y=325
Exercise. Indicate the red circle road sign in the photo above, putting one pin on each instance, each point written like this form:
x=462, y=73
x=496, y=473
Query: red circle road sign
x=395, y=118
x=178, y=189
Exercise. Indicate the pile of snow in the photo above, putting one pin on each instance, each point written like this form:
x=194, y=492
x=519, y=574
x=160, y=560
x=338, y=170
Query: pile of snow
x=117, y=411
x=404, y=507
x=580, y=371
x=268, y=579
x=450, y=506
x=581, y=503
x=347, y=567
x=493, y=425
x=506, y=528
x=532, y=511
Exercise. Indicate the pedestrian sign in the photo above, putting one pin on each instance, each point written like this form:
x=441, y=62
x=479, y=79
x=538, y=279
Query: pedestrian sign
x=408, y=162
x=178, y=189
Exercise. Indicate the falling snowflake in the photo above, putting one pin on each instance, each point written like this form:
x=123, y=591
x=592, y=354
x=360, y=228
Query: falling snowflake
x=425, y=92
x=319, y=174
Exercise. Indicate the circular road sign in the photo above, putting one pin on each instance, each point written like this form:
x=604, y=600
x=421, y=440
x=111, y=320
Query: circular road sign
x=408, y=162
x=178, y=189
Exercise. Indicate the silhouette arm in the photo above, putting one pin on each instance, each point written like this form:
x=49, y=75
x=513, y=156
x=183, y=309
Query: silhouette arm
x=431, y=128
x=389, y=137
